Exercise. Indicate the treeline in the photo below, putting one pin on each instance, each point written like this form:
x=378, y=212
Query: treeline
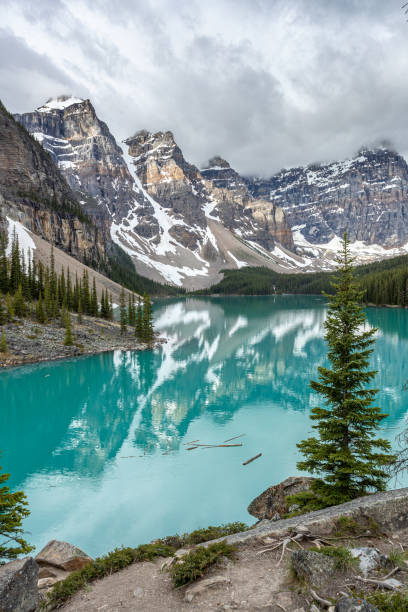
x=384, y=282
x=39, y=292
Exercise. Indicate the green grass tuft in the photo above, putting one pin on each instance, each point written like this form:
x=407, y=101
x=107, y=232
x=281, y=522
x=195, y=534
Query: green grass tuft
x=198, y=562
x=389, y=602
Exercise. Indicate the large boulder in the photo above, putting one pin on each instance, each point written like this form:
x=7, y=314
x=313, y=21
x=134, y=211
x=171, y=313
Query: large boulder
x=347, y=604
x=18, y=586
x=62, y=555
x=271, y=504
x=315, y=568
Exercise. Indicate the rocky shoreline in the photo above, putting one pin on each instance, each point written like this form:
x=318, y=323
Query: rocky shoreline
x=30, y=342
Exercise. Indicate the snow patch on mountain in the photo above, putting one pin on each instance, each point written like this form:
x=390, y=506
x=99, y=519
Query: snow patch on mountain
x=59, y=103
x=25, y=242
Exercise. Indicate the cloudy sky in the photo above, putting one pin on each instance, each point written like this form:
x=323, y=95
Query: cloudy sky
x=264, y=83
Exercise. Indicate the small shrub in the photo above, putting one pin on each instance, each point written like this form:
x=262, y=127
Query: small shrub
x=198, y=562
x=397, y=557
x=342, y=556
x=3, y=343
x=346, y=526
x=204, y=535
x=389, y=602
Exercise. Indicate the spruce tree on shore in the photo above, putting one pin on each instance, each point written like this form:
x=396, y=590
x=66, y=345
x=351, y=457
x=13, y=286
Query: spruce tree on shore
x=13, y=509
x=346, y=456
x=123, y=312
x=3, y=347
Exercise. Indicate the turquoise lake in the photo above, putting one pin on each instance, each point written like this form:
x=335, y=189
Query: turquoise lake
x=100, y=444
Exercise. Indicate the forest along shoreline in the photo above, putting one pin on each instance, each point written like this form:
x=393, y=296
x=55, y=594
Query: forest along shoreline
x=29, y=342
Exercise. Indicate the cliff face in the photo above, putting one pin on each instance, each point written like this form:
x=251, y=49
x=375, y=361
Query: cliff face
x=366, y=195
x=32, y=188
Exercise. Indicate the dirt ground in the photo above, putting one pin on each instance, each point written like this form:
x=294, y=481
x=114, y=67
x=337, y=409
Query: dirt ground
x=255, y=581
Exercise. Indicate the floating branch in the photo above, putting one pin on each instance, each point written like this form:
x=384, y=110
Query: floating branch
x=234, y=438
x=252, y=459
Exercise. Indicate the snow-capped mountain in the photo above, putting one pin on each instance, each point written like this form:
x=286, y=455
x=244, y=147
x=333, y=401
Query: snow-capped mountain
x=183, y=225
x=366, y=195
x=177, y=225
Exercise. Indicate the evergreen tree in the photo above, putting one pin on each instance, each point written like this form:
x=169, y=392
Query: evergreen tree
x=94, y=300
x=139, y=321
x=349, y=460
x=123, y=313
x=13, y=509
x=85, y=293
x=4, y=281
x=19, y=305
x=3, y=349
x=39, y=310
x=80, y=309
x=15, y=264
x=147, y=332
x=9, y=307
x=68, y=334
x=3, y=316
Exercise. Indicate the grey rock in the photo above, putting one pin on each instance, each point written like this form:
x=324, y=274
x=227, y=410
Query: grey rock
x=18, y=586
x=271, y=504
x=347, y=604
x=369, y=558
x=62, y=555
x=203, y=585
x=315, y=568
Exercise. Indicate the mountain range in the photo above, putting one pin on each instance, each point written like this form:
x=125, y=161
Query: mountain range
x=141, y=200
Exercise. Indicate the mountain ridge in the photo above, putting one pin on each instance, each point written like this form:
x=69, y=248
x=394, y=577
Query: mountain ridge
x=183, y=224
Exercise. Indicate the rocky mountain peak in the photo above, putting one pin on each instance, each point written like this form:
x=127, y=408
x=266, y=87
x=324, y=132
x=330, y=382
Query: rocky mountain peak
x=60, y=103
x=216, y=163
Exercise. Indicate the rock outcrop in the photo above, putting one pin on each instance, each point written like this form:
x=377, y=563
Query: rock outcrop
x=315, y=568
x=62, y=555
x=271, y=504
x=18, y=586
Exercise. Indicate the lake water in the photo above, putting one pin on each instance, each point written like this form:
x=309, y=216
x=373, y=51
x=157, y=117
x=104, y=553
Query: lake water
x=100, y=444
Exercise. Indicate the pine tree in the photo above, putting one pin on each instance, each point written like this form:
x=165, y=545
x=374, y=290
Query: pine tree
x=15, y=264
x=19, y=305
x=147, y=332
x=68, y=334
x=139, y=321
x=3, y=316
x=13, y=509
x=94, y=300
x=4, y=281
x=3, y=349
x=39, y=310
x=9, y=307
x=349, y=460
x=80, y=309
x=123, y=313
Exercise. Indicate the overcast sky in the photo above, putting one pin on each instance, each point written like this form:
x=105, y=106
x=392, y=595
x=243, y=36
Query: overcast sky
x=264, y=83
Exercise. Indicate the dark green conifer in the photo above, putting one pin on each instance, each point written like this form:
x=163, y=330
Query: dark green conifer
x=123, y=313
x=139, y=321
x=40, y=312
x=147, y=332
x=19, y=305
x=4, y=280
x=3, y=349
x=13, y=509
x=94, y=300
x=68, y=333
x=346, y=456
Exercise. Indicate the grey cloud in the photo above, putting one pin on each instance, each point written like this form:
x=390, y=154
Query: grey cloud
x=264, y=83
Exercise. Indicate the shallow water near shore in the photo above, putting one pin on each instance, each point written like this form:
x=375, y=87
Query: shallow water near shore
x=100, y=444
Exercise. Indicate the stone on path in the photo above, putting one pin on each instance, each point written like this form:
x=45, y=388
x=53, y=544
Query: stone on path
x=369, y=558
x=201, y=587
x=62, y=555
x=18, y=586
x=271, y=504
x=347, y=604
x=312, y=566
